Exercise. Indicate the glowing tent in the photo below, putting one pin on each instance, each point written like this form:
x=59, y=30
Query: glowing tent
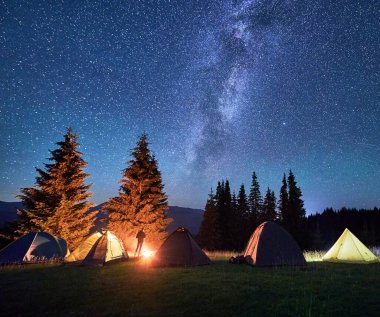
x=98, y=249
x=349, y=249
x=180, y=249
x=34, y=247
x=271, y=245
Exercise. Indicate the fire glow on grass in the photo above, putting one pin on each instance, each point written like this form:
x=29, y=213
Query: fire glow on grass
x=147, y=254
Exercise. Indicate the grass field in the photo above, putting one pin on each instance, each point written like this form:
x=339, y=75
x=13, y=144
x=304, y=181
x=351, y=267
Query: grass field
x=221, y=289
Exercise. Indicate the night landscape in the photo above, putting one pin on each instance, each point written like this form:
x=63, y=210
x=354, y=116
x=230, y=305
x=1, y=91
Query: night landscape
x=189, y=158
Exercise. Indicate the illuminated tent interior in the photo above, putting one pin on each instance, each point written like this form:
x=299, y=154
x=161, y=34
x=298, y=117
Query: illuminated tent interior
x=271, y=245
x=180, y=249
x=348, y=248
x=34, y=247
x=98, y=249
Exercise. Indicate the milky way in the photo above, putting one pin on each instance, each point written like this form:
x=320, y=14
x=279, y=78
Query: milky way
x=222, y=88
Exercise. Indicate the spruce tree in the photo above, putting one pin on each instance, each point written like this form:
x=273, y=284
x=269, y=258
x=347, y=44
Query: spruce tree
x=219, y=197
x=273, y=207
x=255, y=202
x=226, y=216
x=142, y=202
x=296, y=210
x=269, y=206
x=283, y=202
x=228, y=221
x=222, y=199
x=234, y=223
x=210, y=235
x=234, y=203
x=243, y=227
x=296, y=204
x=58, y=203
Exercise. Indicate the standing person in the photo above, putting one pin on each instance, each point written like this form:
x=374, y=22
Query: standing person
x=140, y=240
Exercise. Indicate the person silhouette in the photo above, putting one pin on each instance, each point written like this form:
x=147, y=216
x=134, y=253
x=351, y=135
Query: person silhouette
x=140, y=240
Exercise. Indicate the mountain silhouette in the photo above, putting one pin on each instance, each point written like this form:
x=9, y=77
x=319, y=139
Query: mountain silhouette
x=182, y=217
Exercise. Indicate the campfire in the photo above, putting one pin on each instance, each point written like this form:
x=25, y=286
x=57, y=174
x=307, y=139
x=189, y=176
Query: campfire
x=147, y=254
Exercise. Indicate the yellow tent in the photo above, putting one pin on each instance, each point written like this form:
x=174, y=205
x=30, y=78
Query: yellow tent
x=349, y=249
x=97, y=249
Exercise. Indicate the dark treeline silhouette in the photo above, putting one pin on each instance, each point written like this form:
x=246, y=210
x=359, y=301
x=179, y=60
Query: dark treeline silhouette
x=325, y=228
x=230, y=219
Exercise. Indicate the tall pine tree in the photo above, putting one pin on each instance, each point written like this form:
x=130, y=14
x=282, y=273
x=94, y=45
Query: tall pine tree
x=255, y=202
x=222, y=216
x=283, y=202
x=234, y=203
x=210, y=235
x=58, y=203
x=228, y=220
x=234, y=223
x=221, y=206
x=296, y=210
x=242, y=223
x=269, y=206
x=142, y=202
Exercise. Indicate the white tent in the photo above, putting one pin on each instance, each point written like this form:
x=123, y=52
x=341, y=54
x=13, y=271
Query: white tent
x=348, y=248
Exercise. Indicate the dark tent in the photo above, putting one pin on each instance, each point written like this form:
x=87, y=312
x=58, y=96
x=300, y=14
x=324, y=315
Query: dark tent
x=271, y=245
x=64, y=247
x=33, y=247
x=97, y=249
x=180, y=249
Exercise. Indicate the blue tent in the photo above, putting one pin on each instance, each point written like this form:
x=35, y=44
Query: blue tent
x=34, y=247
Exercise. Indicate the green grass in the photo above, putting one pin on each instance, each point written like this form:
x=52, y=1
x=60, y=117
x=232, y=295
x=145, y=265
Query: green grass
x=221, y=289
x=313, y=256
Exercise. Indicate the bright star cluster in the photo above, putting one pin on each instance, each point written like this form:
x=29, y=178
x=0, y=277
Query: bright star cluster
x=223, y=88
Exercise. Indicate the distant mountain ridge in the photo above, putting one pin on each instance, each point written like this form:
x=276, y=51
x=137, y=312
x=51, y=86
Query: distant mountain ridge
x=8, y=211
x=185, y=217
x=182, y=217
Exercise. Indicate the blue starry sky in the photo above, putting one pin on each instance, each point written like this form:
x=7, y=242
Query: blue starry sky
x=223, y=88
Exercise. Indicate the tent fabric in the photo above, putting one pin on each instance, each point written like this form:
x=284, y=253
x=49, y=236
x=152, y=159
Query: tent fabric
x=349, y=249
x=180, y=249
x=64, y=247
x=84, y=248
x=33, y=247
x=114, y=247
x=271, y=245
x=97, y=254
x=98, y=249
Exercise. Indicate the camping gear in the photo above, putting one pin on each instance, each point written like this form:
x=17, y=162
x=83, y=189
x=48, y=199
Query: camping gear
x=98, y=249
x=271, y=245
x=349, y=249
x=34, y=247
x=239, y=259
x=180, y=249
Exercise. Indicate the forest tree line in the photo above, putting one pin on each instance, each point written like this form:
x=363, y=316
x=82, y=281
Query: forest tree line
x=324, y=228
x=230, y=219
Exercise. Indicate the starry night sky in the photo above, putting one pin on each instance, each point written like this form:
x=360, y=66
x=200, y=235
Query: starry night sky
x=221, y=87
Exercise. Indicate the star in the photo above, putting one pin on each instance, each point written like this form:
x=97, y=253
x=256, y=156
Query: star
x=211, y=82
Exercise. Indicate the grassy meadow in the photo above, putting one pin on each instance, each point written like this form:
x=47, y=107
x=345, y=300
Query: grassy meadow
x=221, y=289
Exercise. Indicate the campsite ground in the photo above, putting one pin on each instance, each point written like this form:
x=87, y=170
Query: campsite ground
x=221, y=289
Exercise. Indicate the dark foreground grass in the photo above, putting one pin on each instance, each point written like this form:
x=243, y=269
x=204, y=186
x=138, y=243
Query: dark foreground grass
x=221, y=289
